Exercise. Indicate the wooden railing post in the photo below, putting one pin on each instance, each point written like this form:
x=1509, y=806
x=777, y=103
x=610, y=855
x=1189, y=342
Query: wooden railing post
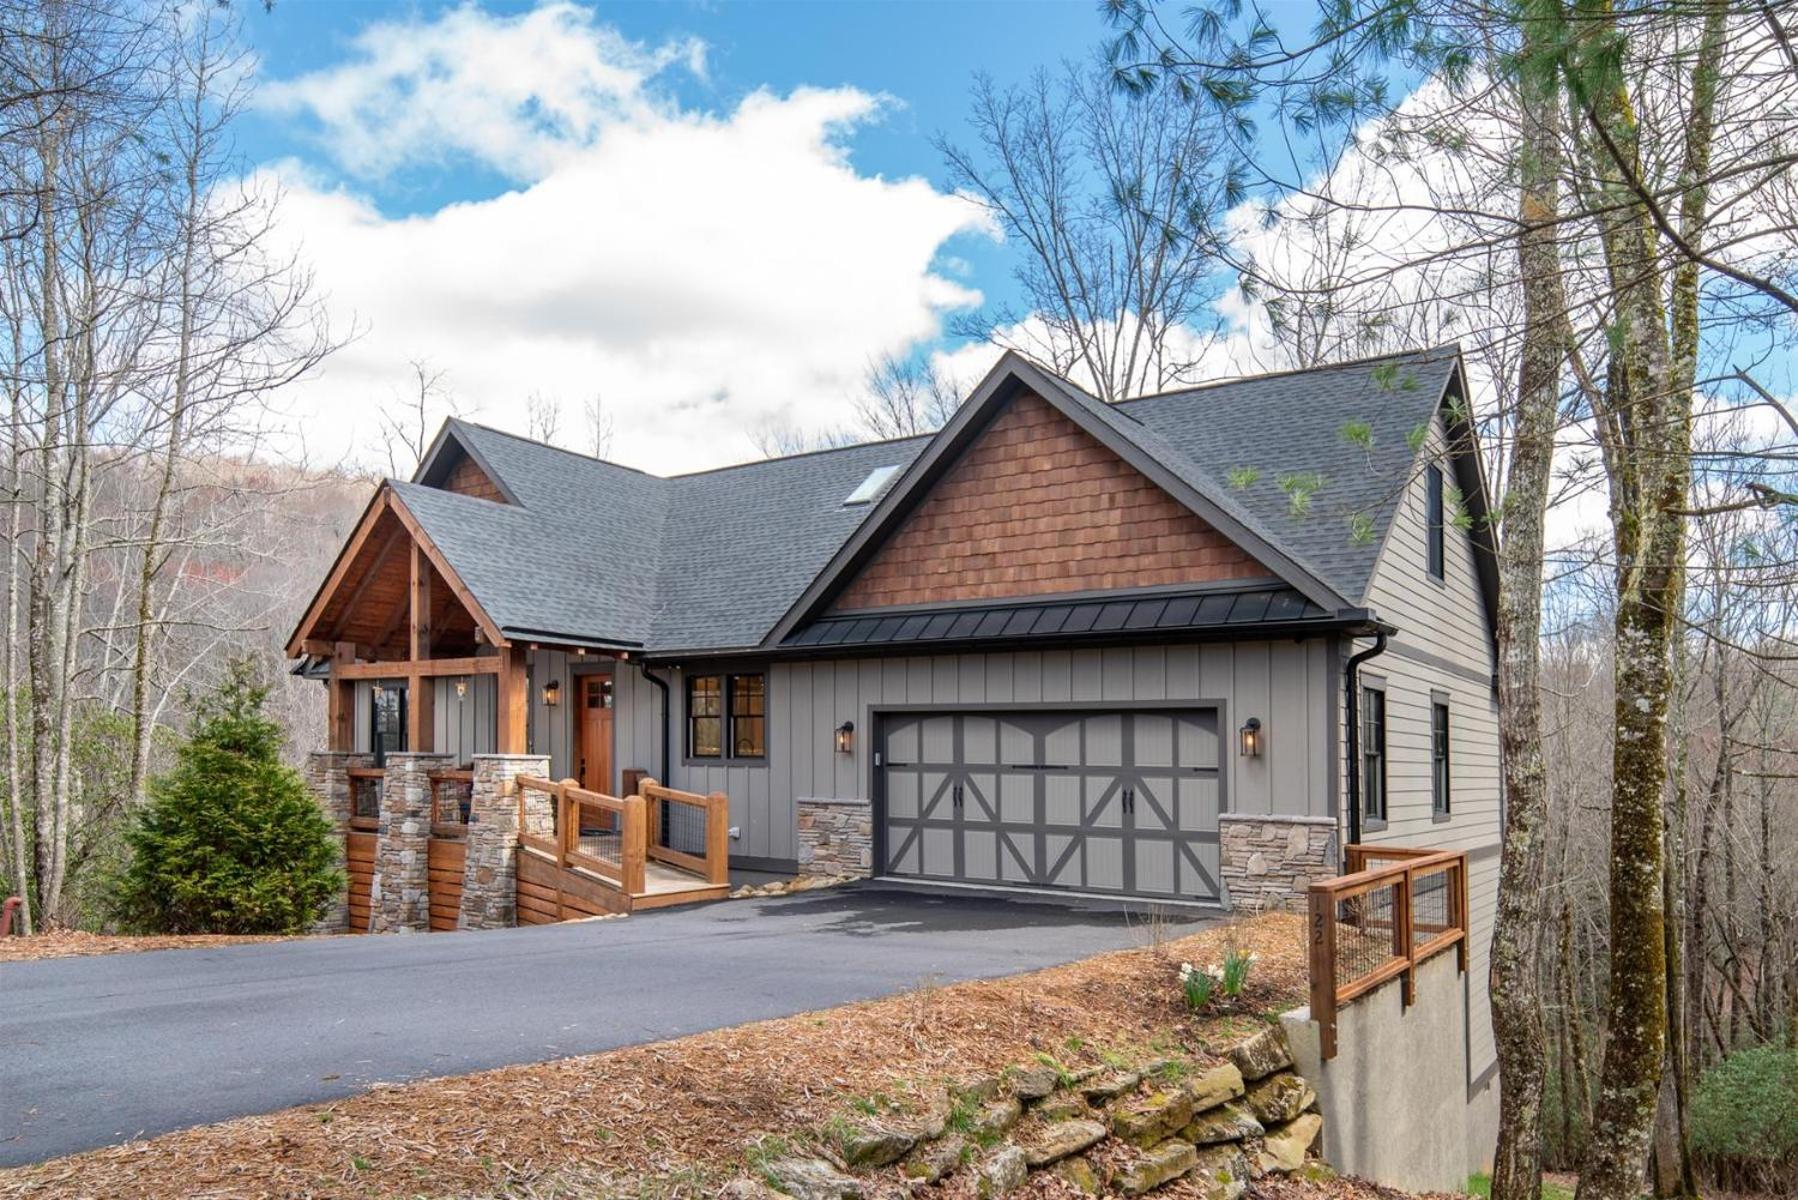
x=633, y=855
x=1323, y=968
x=652, y=808
x=717, y=838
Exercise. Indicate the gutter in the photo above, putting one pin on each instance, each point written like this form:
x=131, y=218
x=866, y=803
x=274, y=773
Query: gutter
x=1352, y=683
x=667, y=714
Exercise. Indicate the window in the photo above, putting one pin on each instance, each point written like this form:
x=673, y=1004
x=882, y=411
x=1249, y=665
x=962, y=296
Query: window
x=387, y=722
x=1439, y=757
x=1433, y=535
x=867, y=489
x=727, y=712
x=748, y=716
x=705, y=716
x=1373, y=754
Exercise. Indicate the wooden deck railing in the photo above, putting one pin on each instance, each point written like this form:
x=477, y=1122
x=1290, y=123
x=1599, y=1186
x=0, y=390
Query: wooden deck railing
x=1393, y=910
x=595, y=832
x=713, y=810
x=450, y=797
x=365, y=796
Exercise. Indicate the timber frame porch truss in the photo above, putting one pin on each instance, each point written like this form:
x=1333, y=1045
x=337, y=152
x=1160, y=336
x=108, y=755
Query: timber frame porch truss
x=392, y=601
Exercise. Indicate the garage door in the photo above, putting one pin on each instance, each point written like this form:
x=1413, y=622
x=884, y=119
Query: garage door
x=1119, y=802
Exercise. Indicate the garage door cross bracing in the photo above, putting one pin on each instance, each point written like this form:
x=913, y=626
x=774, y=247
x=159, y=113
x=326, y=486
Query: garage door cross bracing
x=1120, y=802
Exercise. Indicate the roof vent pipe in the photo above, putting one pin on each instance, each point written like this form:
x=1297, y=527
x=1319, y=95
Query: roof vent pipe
x=1352, y=681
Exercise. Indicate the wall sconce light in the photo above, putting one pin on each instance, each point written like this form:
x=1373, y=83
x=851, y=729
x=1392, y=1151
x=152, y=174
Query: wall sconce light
x=846, y=737
x=461, y=688
x=1251, y=738
x=552, y=693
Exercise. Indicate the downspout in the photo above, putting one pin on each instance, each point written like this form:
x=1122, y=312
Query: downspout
x=1352, y=682
x=667, y=714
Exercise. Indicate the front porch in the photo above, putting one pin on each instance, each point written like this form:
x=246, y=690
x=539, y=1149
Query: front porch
x=446, y=732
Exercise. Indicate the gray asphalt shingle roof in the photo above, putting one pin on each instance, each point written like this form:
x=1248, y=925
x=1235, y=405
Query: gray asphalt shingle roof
x=714, y=560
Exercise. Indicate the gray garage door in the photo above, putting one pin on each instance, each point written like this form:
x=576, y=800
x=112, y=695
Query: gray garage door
x=1123, y=802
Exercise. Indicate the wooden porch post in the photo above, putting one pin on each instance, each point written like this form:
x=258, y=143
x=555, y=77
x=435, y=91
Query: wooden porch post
x=514, y=700
x=421, y=692
x=340, y=720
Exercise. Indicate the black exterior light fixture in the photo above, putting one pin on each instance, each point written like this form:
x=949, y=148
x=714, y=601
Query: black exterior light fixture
x=552, y=693
x=846, y=737
x=1251, y=738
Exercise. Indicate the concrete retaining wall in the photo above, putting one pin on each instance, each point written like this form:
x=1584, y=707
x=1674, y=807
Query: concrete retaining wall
x=1402, y=1109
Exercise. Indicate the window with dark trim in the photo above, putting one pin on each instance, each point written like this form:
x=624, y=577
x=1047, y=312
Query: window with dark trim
x=1373, y=754
x=748, y=716
x=1439, y=801
x=705, y=716
x=727, y=716
x=1434, y=547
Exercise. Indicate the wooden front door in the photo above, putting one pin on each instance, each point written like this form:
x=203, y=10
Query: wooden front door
x=593, y=759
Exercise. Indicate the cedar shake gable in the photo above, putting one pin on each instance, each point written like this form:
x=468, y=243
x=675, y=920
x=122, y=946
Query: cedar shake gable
x=1038, y=506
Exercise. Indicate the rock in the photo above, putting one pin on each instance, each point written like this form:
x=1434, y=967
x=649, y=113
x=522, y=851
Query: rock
x=933, y=1160
x=1058, y=1141
x=1280, y=1098
x=995, y=1117
x=934, y=1118
x=1212, y=1087
x=1226, y=1123
x=1262, y=1054
x=876, y=1143
x=1033, y=1082
x=1284, y=1148
x=1109, y=1085
x=1080, y=1172
x=1003, y=1172
x=1152, y=1118
x=1063, y=1107
x=976, y=1087
x=1168, y=1160
x=747, y=1189
x=811, y=1179
x=1221, y=1173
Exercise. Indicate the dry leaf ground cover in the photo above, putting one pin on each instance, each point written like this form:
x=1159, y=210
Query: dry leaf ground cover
x=71, y=943
x=676, y=1118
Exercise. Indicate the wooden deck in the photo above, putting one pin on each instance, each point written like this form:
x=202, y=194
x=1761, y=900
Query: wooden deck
x=604, y=855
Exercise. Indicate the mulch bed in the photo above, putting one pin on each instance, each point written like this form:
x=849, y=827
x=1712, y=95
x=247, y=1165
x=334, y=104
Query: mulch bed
x=673, y=1119
x=72, y=943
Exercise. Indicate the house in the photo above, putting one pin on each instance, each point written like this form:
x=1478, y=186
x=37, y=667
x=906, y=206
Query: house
x=1178, y=648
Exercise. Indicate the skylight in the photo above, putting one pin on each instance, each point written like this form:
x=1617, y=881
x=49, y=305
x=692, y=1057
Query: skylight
x=871, y=487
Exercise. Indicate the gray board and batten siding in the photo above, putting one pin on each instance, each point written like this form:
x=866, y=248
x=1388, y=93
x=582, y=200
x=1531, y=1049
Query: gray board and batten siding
x=1288, y=684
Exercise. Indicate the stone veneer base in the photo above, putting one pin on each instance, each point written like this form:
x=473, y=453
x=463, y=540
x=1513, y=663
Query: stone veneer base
x=836, y=837
x=1271, y=861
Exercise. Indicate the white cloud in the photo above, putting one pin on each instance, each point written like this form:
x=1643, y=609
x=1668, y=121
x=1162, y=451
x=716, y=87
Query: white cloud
x=706, y=274
x=520, y=94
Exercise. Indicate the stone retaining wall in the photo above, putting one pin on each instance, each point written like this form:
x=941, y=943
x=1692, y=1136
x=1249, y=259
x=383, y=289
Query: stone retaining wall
x=328, y=779
x=1211, y=1126
x=399, y=898
x=490, y=872
x=1271, y=861
x=836, y=837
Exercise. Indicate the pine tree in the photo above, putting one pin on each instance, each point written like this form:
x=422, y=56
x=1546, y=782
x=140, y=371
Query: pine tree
x=231, y=841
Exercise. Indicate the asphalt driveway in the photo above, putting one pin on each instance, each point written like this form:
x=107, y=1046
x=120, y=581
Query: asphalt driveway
x=95, y=1051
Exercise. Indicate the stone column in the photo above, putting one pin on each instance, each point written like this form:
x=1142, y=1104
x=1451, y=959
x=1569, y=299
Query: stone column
x=399, y=899
x=328, y=779
x=1270, y=861
x=836, y=837
x=490, y=872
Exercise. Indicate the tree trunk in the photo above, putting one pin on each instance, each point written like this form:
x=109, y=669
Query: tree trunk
x=1516, y=985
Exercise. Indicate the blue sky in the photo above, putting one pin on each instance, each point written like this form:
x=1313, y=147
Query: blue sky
x=366, y=211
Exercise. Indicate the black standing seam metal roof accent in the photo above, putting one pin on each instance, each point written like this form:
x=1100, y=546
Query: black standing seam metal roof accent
x=593, y=551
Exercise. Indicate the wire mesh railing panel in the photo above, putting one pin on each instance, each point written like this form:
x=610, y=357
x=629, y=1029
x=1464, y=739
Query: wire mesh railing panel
x=1364, y=934
x=598, y=834
x=683, y=827
x=453, y=797
x=1432, y=905
x=365, y=796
